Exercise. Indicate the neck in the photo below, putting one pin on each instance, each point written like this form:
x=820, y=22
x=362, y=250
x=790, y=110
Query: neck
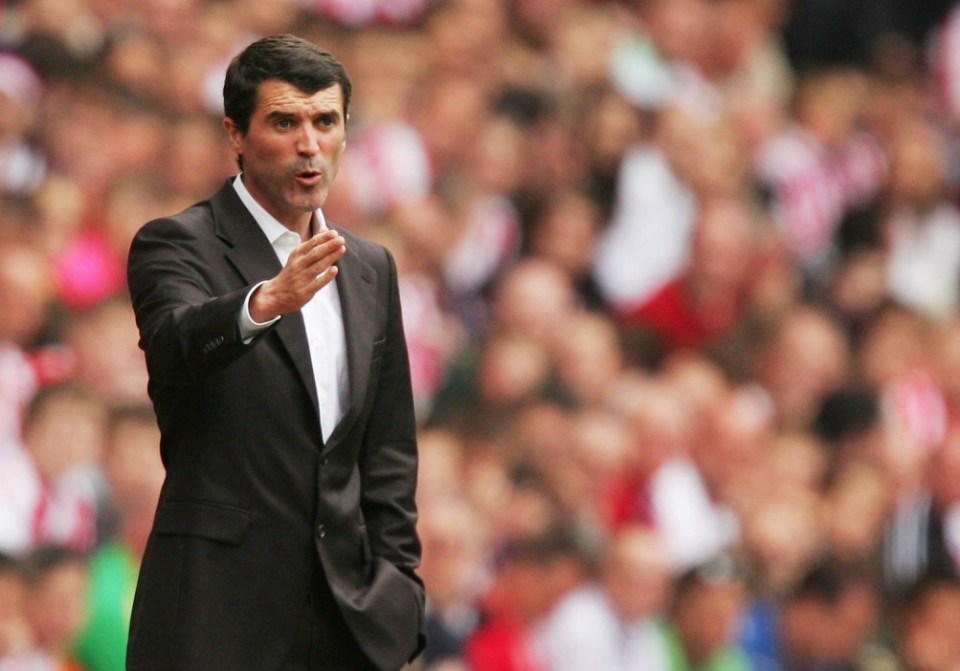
x=302, y=225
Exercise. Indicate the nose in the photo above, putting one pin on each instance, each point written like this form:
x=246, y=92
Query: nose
x=308, y=141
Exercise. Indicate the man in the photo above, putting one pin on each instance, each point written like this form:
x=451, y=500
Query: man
x=285, y=533
x=611, y=623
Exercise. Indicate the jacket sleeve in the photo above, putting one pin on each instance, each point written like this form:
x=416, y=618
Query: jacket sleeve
x=188, y=318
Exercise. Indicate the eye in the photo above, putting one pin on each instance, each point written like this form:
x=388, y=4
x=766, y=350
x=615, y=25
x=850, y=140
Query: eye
x=284, y=124
x=327, y=120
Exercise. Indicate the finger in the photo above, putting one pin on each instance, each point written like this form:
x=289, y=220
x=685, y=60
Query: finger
x=324, y=278
x=318, y=270
x=332, y=246
x=323, y=257
x=314, y=241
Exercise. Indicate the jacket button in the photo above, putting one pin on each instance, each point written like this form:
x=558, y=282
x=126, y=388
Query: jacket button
x=321, y=532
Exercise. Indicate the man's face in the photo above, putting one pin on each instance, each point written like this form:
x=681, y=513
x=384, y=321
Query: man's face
x=291, y=151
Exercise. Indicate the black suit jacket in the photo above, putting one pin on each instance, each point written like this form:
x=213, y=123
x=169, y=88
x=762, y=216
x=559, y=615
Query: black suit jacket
x=253, y=496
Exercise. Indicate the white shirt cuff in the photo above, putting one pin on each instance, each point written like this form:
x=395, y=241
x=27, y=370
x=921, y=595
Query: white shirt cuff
x=248, y=327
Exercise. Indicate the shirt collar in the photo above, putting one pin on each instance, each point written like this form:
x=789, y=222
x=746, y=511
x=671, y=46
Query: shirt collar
x=271, y=228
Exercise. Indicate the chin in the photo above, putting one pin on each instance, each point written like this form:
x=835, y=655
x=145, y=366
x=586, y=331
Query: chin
x=308, y=202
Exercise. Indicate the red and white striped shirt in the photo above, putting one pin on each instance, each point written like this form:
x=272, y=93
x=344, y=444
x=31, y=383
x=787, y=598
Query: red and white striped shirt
x=814, y=187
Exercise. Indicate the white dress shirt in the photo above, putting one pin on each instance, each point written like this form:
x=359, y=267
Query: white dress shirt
x=322, y=318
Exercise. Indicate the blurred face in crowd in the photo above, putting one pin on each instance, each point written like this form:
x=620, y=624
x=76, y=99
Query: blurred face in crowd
x=291, y=151
x=783, y=538
x=723, y=247
x=930, y=641
x=512, y=369
x=13, y=627
x=677, y=27
x=453, y=540
x=57, y=606
x=636, y=577
x=24, y=289
x=588, y=356
x=894, y=344
x=108, y=360
x=830, y=103
x=707, y=616
x=809, y=358
x=495, y=159
x=796, y=461
x=567, y=232
x=535, y=298
x=733, y=439
x=66, y=433
x=440, y=467
x=857, y=508
x=918, y=164
x=451, y=109
x=132, y=466
x=599, y=446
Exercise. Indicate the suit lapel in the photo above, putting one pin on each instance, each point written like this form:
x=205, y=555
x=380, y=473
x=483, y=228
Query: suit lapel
x=357, y=288
x=251, y=254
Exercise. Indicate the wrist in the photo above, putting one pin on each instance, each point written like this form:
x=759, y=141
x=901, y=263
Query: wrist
x=261, y=308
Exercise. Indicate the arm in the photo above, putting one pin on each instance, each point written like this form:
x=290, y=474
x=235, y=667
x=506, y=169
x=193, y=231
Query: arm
x=188, y=329
x=189, y=318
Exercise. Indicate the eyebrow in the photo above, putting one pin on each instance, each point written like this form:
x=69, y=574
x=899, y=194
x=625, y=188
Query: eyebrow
x=279, y=114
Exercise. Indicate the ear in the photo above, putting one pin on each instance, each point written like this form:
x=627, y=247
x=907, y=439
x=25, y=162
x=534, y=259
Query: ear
x=235, y=134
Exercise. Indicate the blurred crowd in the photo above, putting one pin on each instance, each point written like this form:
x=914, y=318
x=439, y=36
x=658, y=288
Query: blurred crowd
x=681, y=289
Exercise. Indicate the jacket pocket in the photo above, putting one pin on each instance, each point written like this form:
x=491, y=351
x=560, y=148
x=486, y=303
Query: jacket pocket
x=215, y=521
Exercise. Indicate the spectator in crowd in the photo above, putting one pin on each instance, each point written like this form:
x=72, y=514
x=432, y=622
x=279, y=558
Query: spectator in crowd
x=134, y=475
x=15, y=634
x=701, y=628
x=26, y=287
x=22, y=165
x=55, y=607
x=821, y=166
x=709, y=297
x=103, y=341
x=453, y=568
x=806, y=358
x=535, y=572
x=611, y=623
x=927, y=619
x=60, y=485
x=828, y=621
x=922, y=227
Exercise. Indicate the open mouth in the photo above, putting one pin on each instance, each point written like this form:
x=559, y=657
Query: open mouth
x=309, y=177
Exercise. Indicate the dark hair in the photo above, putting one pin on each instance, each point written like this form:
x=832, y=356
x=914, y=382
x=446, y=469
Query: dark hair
x=139, y=414
x=69, y=391
x=725, y=568
x=285, y=57
x=46, y=558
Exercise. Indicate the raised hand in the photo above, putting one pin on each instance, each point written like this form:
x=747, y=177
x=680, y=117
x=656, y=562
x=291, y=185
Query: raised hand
x=309, y=269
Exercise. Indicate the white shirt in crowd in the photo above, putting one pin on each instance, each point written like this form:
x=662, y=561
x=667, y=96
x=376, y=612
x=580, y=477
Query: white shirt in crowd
x=647, y=242
x=584, y=633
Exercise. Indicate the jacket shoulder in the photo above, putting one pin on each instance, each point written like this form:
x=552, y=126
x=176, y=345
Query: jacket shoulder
x=195, y=221
x=372, y=253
